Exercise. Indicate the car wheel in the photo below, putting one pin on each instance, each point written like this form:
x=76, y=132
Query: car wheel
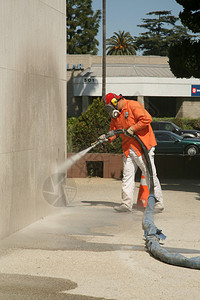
x=192, y=150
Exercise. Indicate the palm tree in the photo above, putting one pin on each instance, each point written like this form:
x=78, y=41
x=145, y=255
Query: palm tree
x=121, y=43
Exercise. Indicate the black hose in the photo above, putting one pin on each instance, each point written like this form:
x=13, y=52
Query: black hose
x=152, y=234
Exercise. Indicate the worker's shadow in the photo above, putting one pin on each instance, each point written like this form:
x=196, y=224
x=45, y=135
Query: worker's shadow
x=182, y=185
x=103, y=203
x=112, y=204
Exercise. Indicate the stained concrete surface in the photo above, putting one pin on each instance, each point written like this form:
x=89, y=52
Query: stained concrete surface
x=32, y=106
x=88, y=251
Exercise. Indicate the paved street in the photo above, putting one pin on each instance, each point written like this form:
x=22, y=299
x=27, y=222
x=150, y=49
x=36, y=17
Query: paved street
x=88, y=251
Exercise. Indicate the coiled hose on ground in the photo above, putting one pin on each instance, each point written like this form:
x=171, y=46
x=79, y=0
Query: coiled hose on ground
x=152, y=234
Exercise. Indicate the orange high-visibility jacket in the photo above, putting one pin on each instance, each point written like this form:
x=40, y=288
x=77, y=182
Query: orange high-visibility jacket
x=134, y=114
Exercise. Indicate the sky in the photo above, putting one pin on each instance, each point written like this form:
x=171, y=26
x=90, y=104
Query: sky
x=125, y=15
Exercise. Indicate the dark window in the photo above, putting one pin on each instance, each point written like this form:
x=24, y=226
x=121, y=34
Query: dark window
x=162, y=106
x=167, y=126
x=154, y=126
x=164, y=137
x=94, y=168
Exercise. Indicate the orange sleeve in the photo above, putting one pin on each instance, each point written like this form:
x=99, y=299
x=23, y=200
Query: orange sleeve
x=142, y=117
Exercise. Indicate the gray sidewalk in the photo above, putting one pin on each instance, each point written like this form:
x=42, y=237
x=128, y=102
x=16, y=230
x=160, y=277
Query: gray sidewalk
x=88, y=251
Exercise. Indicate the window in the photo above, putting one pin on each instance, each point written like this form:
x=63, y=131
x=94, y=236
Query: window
x=94, y=168
x=168, y=127
x=164, y=137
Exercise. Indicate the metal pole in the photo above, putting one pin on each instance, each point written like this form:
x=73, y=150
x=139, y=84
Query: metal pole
x=104, y=51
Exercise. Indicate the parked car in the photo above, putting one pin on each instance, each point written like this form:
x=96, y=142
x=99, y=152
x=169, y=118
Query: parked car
x=169, y=126
x=171, y=143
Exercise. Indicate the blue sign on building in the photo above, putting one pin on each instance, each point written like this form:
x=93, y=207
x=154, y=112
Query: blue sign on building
x=195, y=90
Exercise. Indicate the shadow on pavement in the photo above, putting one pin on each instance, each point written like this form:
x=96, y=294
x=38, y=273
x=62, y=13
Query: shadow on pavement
x=18, y=287
x=190, y=186
x=104, y=203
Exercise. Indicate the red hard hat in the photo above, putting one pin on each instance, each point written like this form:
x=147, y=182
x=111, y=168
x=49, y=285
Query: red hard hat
x=107, y=99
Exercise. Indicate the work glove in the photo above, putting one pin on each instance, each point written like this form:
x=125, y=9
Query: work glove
x=102, y=138
x=129, y=131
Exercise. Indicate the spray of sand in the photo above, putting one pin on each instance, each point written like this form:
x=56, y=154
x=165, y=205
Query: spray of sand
x=72, y=160
x=61, y=188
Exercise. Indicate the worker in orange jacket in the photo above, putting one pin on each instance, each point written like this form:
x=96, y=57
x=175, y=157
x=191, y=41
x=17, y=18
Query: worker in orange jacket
x=132, y=116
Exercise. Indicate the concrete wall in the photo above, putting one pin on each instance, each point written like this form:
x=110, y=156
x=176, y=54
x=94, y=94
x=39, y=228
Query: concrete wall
x=32, y=106
x=188, y=107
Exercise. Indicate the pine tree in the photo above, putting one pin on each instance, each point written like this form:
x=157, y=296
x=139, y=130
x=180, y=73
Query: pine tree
x=82, y=27
x=184, y=56
x=161, y=32
x=121, y=43
x=190, y=16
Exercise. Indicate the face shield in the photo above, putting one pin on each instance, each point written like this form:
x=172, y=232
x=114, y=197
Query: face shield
x=111, y=109
x=113, y=112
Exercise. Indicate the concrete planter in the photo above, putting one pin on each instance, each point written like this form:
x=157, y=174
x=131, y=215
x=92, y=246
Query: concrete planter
x=108, y=165
x=104, y=165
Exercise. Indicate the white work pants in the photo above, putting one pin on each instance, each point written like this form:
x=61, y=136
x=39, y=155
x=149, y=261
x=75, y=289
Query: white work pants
x=131, y=163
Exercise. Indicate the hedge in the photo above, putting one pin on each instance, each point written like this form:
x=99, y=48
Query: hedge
x=86, y=129
x=183, y=123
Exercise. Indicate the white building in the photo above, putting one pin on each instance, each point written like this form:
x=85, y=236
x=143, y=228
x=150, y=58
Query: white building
x=147, y=79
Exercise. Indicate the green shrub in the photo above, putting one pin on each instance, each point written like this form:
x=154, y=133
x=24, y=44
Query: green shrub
x=183, y=123
x=71, y=122
x=192, y=124
x=86, y=129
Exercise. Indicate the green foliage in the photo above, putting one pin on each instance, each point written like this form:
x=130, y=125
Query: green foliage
x=190, y=16
x=71, y=123
x=83, y=131
x=162, y=31
x=183, y=123
x=184, y=56
x=184, y=59
x=89, y=126
x=82, y=27
x=86, y=129
x=121, y=43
